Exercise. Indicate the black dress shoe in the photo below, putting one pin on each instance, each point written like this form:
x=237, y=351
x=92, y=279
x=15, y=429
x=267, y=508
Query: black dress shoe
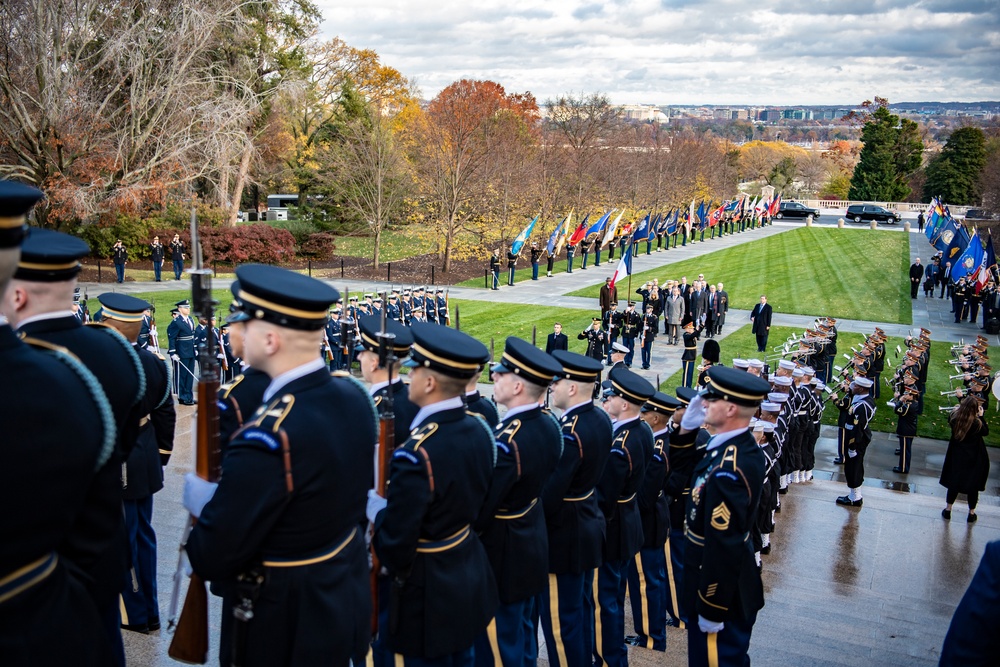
x=946, y=513
x=765, y=550
x=846, y=500
x=154, y=624
x=141, y=628
x=783, y=491
x=839, y=461
x=634, y=640
x=972, y=518
x=900, y=470
x=896, y=453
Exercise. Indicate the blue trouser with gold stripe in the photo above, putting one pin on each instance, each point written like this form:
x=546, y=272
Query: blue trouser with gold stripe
x=565, y=619
x=905, y=452
x=646, y=583
x=510, y=638
x=688, y=377
x=728, y=647
x=459, y=659
x=608, y=593
x=674, y=562
x=139, y=601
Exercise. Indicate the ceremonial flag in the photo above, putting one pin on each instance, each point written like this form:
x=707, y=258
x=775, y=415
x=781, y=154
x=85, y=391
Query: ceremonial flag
x=716, y=216
x=653, y=226
x=620, y=272
x=702, y=215
x=612, y=228
x=556, y=233
x=775, y=205
x=690, y=217
x=641, y=232
x=986, y=269
x=971, y=261
x=952, y=241
x=672, y=221
x=598, y=226
x=523, y=236
x=580, y=233
x=732, y=205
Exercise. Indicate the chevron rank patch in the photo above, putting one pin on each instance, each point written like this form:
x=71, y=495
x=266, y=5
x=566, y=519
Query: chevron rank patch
x=720, y=517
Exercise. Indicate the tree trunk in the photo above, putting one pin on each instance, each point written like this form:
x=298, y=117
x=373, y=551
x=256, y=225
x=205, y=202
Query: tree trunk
x=447, y=244
x=378, y=242
x=241, y=179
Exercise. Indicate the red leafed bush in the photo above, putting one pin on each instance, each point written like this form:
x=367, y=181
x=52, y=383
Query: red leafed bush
x=259, y=244
x=319, y=246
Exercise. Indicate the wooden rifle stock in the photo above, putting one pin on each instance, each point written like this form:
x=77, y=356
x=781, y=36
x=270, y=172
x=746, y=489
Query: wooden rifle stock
x=190, y=640
x=386, y=444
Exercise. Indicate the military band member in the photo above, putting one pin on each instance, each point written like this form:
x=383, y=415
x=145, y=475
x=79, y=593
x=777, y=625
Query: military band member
x=682, y=455
x=597, y=340
x=617, y=491
x=47, y=616
x=573, y=519
x=647, y=572
x=722, y=585
x=510, y=523
x=906, y=427
x=444, y=593
x=858, y=437
x=710, y=353
x=181, y=349
x=142, y=475
x=37, y=303
x=281, y=531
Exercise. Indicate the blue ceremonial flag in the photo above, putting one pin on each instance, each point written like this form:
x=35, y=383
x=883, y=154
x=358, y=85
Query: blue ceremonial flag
x=641, y=230
x=554, y=236
x=934, y=220
x=523, y=236
x=672, y=223
x=653, y=224
x=702, y=215
x=971, y=260
x=952, y=241
x=988, y=265
x=598, y=226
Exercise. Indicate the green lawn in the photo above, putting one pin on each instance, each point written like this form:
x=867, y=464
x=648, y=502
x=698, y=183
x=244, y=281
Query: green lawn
x=856, y=274
x=932, y=424
x=396, y=245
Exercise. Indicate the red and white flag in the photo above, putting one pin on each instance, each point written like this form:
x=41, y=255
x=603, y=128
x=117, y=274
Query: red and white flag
x=620, y=272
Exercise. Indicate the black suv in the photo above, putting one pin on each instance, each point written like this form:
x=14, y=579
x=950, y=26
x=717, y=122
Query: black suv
x=869, y=212
x=793, y=209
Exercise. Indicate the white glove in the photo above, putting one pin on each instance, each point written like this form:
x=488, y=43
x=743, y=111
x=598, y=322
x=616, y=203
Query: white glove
x=852, y=453
x=175, y=357
x=709, y=627
x=376, y=504
x=197, y=493
x=694, y=416
x=221, y=355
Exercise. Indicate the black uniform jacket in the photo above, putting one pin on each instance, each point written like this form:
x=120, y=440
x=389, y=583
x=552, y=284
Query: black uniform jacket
x=155, y=441
x=478, y=404
x=617, y=491
x=511, y=522
x=906, y=423
x=238, y=400
x=574, y=520
x=97, y=545
x=721, y=579
x=403, y=409
x=654, y=507
x=444, y=594
x=291, y=500
x=682, y=456
x=48, y=470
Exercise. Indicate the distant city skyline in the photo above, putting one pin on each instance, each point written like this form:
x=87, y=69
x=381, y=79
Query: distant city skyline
x=689, y=52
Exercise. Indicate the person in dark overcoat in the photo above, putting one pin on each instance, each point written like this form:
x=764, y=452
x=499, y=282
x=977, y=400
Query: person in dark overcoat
x=966, y=463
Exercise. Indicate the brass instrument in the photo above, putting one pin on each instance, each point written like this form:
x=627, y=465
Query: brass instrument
x=953, y=392
x=947, y=408
x=957, y=377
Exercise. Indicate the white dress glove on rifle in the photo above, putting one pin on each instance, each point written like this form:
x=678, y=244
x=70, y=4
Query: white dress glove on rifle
x=197, y=493
x=175, y=357
x=709, y=627
x=694, y=416
x=376, y=504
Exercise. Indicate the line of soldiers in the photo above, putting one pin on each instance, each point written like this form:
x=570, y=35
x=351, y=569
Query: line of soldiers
x=78, y=559
x=908, y=384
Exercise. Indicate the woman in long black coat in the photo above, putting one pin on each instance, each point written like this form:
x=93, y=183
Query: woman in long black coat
x=966, y=463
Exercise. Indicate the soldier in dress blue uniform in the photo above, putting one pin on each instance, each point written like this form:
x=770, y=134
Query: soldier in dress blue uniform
x=286, y=516
x=378, y=377
x=617, y=494
x=181, y=349
x=442, y=307
x=142, y=475
x=722, y=585
x=573, y=519
x=406, y=307
x=243, y=395
x=392, y=310
x=47, y=616
x=511, y=523
x=430, y=308
x=683, y=454
x=38, y=302
x=857, y=438
x=443, y=590
x=647, y=572
x=332, y=340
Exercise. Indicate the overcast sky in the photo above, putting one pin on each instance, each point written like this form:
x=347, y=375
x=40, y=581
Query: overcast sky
x=781, y=52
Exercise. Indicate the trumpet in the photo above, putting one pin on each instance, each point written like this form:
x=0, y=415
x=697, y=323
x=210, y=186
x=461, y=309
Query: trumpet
x=953, y=392
x=947, y=408
x=957, y=377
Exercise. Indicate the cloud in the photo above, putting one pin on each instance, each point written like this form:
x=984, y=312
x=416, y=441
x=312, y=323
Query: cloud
x=689, y=51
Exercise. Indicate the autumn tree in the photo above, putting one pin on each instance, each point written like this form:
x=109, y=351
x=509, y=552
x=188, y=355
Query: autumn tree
x=452, y=149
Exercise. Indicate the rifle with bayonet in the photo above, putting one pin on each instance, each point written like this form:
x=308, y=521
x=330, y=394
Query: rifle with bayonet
x=190, y=641
x=386, y=444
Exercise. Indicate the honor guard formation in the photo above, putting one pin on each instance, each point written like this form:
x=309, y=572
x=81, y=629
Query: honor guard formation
x=411, y=523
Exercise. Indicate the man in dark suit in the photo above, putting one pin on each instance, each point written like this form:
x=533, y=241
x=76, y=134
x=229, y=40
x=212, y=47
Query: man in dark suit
x=609, y=295
x=916, y=274
x=944, y=279
x=723, y=308
x=557, y=340
x=698, y=305
x=760, y=316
